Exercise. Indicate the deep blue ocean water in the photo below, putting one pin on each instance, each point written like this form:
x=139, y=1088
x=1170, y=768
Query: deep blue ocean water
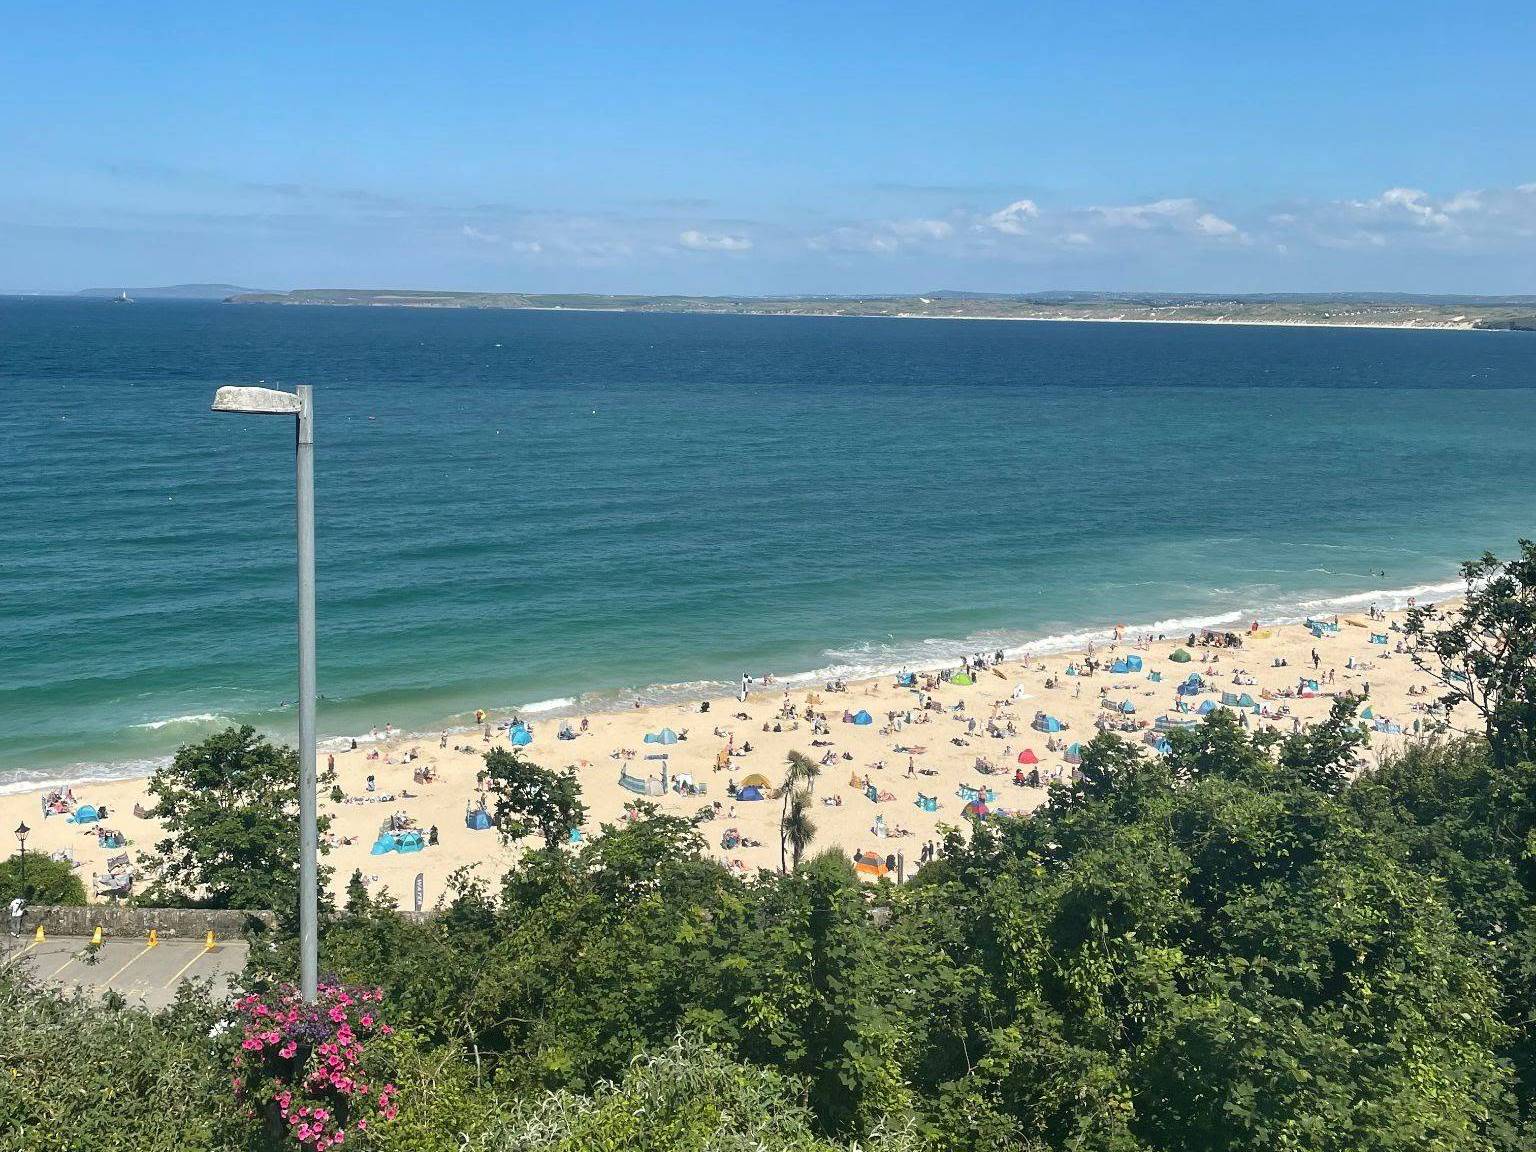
x=528, y=507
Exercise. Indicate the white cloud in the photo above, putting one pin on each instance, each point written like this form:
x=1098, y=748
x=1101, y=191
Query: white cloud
x=1213, y=225
x=470, y=232
x=921, y=229
x=1015, y=218
x=882, y=235
x=697, y=241
x=1405, y=203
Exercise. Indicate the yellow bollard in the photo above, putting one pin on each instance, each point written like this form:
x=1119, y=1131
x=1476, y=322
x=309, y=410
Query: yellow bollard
x=96, y=936
x=209, y=943
x=38, y=935
x=154, y=940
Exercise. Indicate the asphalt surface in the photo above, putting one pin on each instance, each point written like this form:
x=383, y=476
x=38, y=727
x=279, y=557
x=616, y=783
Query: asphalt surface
x=132, y=969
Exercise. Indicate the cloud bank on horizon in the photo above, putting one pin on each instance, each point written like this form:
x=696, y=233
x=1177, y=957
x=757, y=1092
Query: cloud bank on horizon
x=801, y=149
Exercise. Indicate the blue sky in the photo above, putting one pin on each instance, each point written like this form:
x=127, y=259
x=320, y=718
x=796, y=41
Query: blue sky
x=711, y=147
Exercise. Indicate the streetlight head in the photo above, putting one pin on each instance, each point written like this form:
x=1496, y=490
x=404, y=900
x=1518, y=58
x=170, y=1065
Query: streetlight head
x=265, y=401
x=21, y=832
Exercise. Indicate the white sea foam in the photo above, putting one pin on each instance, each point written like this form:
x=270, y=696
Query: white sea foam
x=76, y=775
x=194, y=718
x=548, y=705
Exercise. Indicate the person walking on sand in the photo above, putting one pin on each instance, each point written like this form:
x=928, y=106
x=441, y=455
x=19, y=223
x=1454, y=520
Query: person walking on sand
x=1316, y=660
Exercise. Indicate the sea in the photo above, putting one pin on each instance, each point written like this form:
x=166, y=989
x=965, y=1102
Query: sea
x=552, y=512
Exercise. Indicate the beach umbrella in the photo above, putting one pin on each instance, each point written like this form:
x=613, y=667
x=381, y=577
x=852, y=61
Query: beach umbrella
x=1028, y=757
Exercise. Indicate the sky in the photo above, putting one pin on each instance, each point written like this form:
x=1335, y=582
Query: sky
x=773, y=148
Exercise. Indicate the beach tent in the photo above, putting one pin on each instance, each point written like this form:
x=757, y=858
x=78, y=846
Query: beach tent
x=665, y=736
x=964, y=679
x=861, y=718
x=520, y=736
x=1126, y=664
x=906, y=680
x=1378, y=637
x=750, y=792
x=927, y=803
x=1179, y=656
x=1028, y=757
x=1127, y=707
x=1230, y=699
x=755, y=780
x=1155, y=677
x=1044, y=722
x=1368, y=714
x=1206, y=708
x=477, y=820
x=967, y=792
x=1073, y=754
x=409, y=842
x=1246, y=701
x=870, y=863
x=975, y=810
x=385, y=843
x=85, y=814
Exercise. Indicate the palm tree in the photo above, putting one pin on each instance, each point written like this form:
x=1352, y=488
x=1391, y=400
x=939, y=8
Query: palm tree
x=802, y=770
x=797, y=828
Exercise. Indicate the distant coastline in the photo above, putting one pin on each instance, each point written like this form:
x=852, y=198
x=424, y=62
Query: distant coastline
x=1480, y=313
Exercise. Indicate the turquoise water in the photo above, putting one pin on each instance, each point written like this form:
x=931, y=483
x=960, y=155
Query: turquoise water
x=524, y=508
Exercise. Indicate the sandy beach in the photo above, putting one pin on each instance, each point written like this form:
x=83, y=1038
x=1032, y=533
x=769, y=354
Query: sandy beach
x=905, y=751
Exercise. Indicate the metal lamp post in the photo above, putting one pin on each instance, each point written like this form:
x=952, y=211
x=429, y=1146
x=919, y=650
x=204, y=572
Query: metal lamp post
x=268, y=401
x=21, y=838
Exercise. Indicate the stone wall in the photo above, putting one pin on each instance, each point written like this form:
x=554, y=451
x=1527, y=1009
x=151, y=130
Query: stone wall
x=128, y=922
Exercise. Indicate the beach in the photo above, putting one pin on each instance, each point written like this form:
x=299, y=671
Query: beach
x=905, y=751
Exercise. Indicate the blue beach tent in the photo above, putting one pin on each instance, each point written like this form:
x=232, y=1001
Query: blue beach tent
x=750, y=792
x=85, y=814
x=1127, y=707
x=862, y=717
x=1044, y=722
x=520, y=736
x=665, y=736
x=477, y=820
x=1207, y=708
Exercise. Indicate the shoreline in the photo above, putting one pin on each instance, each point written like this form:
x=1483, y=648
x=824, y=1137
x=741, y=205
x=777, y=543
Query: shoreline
x=657, y=694
x=935, y=743
x=1405, y=326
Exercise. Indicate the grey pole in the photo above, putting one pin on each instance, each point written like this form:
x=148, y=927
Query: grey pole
x=309, y=936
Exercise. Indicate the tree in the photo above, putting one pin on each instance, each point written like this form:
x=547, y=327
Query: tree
x=526, y=798
x=229, y=807
x=797, y=828
x=1484, y=652
x=48, y=881
x=801, y=770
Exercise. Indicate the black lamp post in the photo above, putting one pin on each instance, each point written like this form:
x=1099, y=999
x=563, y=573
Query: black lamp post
x=21, y=838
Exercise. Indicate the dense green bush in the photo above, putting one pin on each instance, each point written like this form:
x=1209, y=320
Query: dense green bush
x=48, y=881
x=81, y=1076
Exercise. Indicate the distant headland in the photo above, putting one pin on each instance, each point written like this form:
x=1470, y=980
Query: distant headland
x=1355, y=310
